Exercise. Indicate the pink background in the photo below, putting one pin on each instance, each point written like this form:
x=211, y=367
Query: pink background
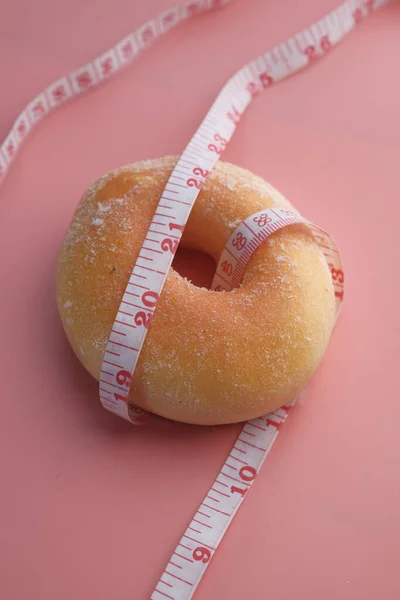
x=92, y=507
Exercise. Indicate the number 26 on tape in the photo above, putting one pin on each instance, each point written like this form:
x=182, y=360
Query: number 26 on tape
x=247, y=474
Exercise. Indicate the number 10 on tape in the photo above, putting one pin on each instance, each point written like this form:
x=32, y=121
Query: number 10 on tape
x=200, y=540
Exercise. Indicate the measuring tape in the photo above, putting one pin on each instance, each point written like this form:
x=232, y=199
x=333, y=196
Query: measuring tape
x=199, y=542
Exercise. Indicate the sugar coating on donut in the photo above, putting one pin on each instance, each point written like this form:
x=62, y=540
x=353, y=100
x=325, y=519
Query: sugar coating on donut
x=208, y=357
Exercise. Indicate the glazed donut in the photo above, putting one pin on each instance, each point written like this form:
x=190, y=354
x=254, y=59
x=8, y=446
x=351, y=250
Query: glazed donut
x=209, y=357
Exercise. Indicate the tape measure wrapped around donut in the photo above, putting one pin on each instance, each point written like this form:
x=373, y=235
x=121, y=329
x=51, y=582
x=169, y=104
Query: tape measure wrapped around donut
x=209, y=357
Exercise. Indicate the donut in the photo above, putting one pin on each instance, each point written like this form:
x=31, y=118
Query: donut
x=209, y=357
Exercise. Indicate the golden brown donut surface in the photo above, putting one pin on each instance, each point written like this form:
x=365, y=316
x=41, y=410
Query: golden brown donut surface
x=209, y=357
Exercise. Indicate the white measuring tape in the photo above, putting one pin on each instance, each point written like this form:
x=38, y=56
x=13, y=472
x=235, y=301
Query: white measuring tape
x=197, y=546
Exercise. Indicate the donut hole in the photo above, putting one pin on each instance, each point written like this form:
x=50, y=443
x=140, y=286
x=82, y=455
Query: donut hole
x=195, y=265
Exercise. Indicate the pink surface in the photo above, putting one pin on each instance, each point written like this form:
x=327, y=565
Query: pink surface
x=92, y=507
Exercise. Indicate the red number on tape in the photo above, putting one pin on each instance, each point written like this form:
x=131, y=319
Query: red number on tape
x=10, y=149
x=310, y=52
x=227, y=267
x=219, y=138
x=262, y=220
x=253, y=89
x=119, y=397
x=247, y=473
x=142, y=318
x=84, y=79
x=127, y=50
x=123, y=378
x=273, y=423
x=59, y=93
x=214, y=148
x=147, y=35
x=170, y=245
x=22, y=128
x=222, y=144
x=326, y=43
x=240, y=241
x=38, y=109
x=337, y=274
x=173, y=226
x=203, y=554
x=233, y=115
x=266, y=79
x=202, y=172
x=238, y=490
x=150, y=299
x=339, y=295
x=192, y=182
x=107, y=66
